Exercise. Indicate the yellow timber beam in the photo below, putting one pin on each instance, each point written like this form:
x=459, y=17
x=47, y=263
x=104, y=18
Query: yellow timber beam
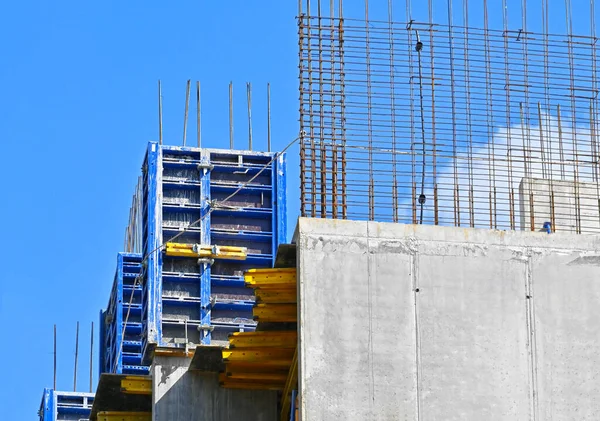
x=275, y=313
x=257, y=355
x=250, y=385
x=134, y=385
x=276, y=296
x=271, y=366
x=271, y=278
x=258, y=377
x=263, y=339
x=290, y=384
x=206, y=251
x=124, y=416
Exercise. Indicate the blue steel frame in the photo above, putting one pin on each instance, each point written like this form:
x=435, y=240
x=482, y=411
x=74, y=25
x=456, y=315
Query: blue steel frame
x=279, y=198
x=153, y=289
x=112, y=355
x=153, y=285
x=205, y=279
x=55, y=404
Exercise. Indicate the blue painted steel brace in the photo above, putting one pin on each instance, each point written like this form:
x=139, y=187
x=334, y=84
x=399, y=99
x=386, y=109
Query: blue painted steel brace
x=205, y=284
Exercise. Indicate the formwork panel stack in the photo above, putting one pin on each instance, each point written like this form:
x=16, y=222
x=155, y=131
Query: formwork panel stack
x=206, y=197
x=121, y=322
x=67, y=406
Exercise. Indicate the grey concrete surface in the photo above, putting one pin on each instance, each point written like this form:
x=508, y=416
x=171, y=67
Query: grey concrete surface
x=404, y=322
x=542, y=197
x=182, y=395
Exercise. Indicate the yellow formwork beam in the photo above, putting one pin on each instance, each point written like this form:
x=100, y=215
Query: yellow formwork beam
x=124, y=416
x=276, y=296
x=263, y=339
x=257, y=377
x=271, y=278
x=257, y=355
x=275, y=313
x=135, y=385
x=270, y=367
x=206, y=251
x=251, y=385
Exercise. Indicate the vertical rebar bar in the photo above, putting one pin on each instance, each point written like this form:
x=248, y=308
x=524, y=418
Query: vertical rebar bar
x=302, y=116
x=561, y=149
x=269, y=117
x=333, y=111
x=76, y=357
x=160, y=130
x=198, y=115
x=342, y=109
x=468, y=111
x=54, y=381
x=509, y=151
x=369, y=116
x=546, y=36
x=412, y=114
x=187, y=108
x=419, y=48
x=395, y=208
x=311, y=113
x=454, y=136
x=92, y=358
x=322, y=140
x=249, y=100
x=230, y=115
x=574, y=138
x=493, y=199
x=433, y=121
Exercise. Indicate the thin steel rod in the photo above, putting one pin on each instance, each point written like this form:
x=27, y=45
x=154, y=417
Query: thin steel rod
x=457, y=218
x=491, y=127
x=412, y=113
x=160, y=130
x=574, y=143
x=301, y=70
x=92, y=358
x=334, y=144
x=187, y=108
x=509, y=151
x=469, y=117
x=198, y=115
x=395, y=209
x=269, y=115
x=249, y=99
x=369, y=118
x=433, y=116
x=343, y=103
x=419, y=48
x=54, y=381
x=76, y=357
x=313, y=150
x=323, y=148
x=230, y=115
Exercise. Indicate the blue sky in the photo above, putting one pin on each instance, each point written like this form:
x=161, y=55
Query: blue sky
x=78, y=105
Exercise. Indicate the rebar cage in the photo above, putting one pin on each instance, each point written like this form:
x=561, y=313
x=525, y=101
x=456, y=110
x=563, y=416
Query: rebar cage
x=419, y=122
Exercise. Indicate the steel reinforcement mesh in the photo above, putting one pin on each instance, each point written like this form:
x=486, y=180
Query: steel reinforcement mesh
x=417, y=122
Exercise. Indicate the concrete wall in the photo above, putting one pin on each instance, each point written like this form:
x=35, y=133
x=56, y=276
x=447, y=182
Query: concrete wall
x=576, y=206
x=403, y=322
x=182, y=395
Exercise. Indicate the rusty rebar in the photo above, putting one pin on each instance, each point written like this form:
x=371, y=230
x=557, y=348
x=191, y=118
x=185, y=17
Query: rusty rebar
x=492, y=119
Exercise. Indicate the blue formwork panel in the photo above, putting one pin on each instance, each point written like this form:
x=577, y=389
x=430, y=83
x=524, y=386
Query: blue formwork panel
x=121, y=322
x=67, y=406
x=206, y=196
